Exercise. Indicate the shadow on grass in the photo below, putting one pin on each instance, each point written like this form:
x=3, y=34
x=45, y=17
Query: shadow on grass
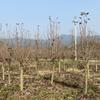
x=75, y=86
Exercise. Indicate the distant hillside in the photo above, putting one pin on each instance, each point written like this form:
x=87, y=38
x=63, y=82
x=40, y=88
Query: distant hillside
x=65, y=40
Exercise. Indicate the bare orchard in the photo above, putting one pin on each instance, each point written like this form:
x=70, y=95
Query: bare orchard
x=30, y=70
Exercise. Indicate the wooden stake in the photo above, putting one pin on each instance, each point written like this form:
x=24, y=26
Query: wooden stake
x=21, y=78
x=87, y=78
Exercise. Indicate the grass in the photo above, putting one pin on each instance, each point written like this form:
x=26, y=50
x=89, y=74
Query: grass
x=68, y=85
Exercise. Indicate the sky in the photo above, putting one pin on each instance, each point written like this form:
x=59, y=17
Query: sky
x=36, y=12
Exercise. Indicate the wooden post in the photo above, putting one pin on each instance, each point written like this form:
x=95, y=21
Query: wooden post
x=87, y=78
x=21, y=78
x=3, y=72
x=86, y=83
x=88, y=71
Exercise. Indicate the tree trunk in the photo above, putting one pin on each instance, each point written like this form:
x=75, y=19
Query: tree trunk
x=59, y=66
x=37, y=69
x=52, y=77
x=46, y=63
x=96, y=67
x=64, y=64
x=9, y=77
x=3, y=72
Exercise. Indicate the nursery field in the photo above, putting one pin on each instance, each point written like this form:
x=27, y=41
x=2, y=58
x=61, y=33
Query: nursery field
x=68, y=80
x=50, y=68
